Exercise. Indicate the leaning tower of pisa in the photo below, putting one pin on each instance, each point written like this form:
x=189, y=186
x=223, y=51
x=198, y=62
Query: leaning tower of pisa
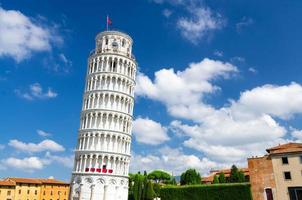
x=102, y=155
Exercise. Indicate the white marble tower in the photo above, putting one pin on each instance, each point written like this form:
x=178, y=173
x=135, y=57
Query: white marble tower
x=102, y=155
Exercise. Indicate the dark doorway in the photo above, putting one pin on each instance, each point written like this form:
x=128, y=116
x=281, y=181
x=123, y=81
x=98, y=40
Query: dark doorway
x=295, y=193
x=269, y=194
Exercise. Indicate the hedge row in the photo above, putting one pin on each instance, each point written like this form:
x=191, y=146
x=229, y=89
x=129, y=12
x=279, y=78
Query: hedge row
x=236, y=191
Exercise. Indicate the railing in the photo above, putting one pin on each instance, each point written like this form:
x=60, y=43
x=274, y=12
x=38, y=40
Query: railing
x=93, y=52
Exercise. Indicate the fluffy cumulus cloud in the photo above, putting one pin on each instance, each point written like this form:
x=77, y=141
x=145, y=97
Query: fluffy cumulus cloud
x=171, y=160
x=231, y=133
x=188, y=86
x=36, y=91
x=148, y=131
x=279, y=101
x=34, y=163
x=21, y=35
x=199, y=20
x=296, y=134
x=45, y=145
x=29, y=164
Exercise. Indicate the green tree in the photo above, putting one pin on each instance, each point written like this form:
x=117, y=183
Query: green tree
x=131, y=182
x=234, y=176
x=156, y=188
x=149, y=192
x=145, y=182
x=216, y=179
x=159, y=176
x=241, y=177
x=138, y=187
x=221, y=178
x=190, y=177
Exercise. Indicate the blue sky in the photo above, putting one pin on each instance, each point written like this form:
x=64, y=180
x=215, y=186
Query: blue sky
x=218, y=81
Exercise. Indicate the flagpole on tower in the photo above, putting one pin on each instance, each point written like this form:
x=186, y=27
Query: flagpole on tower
x=107, y=19
x=109, y=22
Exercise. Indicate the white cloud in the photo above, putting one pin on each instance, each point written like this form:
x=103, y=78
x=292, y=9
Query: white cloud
x=36, y=91
x=66, y=161
x=45, y=145
x=218, y=53
x=233, y=132
x=150, y=132
x=201, y=22
x=173, y=2
x=237, y=59
x=198, y=21
x=279, y=101
x=58, y=63
x=188, y=86
x=297, y=134
x=20, y=35
x=29, y=164
x=167, y=13
x=171, y=160
x=253, y=70
x=244, y=22
x=43, y=133
x=229, y=141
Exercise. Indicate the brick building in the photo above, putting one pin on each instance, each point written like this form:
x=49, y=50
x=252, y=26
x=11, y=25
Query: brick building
x=277, y=175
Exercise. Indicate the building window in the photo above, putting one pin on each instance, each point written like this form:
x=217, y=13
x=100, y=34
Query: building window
x=284, y=160
x=27, y=191
x=36, y=192
x=301, y=159
x=44, y=193
x=269, y=194
x=287, y=176
x=51, y=193
x=8, y=193
x=19, y=191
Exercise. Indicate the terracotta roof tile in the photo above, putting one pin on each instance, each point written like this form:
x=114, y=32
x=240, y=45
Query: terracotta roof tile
x=226, y=172
x=285, y=148
x=53, y=181
x=36, y=181
x=7, y=183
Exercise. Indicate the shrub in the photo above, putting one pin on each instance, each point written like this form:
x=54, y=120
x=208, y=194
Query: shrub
x=236, y=191
x=190, y=177
x=221, y=178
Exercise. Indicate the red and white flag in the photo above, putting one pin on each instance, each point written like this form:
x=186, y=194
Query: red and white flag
x=109, y=22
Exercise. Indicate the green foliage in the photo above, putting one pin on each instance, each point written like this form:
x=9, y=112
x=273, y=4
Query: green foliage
x=149, y=192
x=216, y=179
x=159, y=176
x=156, y=188
x=145, y=181
x=138, y=187
x=131, y=181
x=234, y=176
x=170, y=182
x=241, y=177
x=190, y=177
x=221, y=178
x=236, y=191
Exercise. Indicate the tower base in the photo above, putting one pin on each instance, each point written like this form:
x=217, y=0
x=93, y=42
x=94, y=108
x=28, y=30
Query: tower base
x=96, y=187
